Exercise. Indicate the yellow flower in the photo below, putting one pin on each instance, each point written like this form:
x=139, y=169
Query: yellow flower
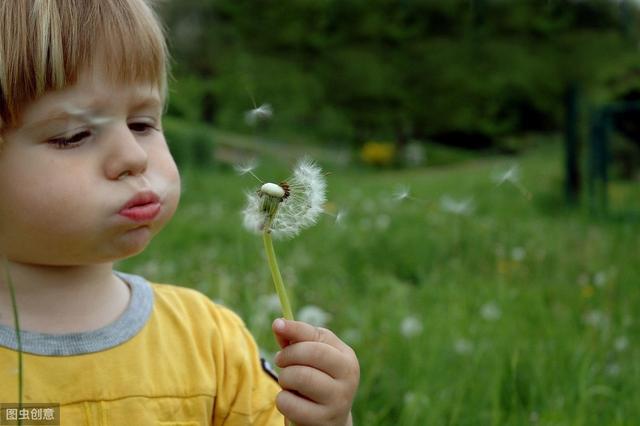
x=378, y=153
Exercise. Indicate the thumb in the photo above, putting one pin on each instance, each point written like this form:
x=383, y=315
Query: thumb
x=279, y=328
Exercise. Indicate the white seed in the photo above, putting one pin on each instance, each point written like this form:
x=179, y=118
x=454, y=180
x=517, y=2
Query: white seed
x=272, y=190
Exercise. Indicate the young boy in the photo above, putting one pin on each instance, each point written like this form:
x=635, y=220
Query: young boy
x=86, y=178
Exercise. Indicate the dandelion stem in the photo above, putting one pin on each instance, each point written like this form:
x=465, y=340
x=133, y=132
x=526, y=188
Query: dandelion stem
x=275, y=274
x=14, y=305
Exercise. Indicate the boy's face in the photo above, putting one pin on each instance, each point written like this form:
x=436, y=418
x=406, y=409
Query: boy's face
x=94, y=185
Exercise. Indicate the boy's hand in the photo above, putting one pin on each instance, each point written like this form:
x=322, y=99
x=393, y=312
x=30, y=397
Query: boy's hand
x=319, y=374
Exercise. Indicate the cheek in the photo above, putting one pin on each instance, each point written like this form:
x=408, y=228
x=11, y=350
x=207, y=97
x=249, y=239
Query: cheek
x=43, y=202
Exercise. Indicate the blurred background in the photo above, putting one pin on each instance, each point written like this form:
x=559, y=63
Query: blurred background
x=480, y=245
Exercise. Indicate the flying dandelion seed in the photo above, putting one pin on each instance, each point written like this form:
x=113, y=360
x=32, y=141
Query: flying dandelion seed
x=512, y=176
x=339, y=219
x=247, y=167
x=401, y=193
x=262, y=113
x=87, y=116
x=458, y=207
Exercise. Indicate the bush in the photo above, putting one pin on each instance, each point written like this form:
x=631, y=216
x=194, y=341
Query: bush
x=190, y=144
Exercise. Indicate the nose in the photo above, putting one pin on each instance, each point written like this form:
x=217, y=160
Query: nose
x=125, y=154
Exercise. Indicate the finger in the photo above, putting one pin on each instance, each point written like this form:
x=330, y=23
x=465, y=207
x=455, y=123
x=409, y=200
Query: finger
x=288, y=332
x=307, y=381
x=298, y=409
x=318, y=355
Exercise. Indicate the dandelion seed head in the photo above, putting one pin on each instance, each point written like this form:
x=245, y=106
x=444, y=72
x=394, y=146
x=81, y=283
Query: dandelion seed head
x=314, y=315
x=462, y=346
x=300, y=209
x=600, y=279
x=262, y=113
x=613, y=369
x=411, y=327
x=272, y=190
x=621, y=343
x=352, y=336
x=518, y=254
x=382, y=222
x=269, y=303
x=490, y=311
x=596, y=319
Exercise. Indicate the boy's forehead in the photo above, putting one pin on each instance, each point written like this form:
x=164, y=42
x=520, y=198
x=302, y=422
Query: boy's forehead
x=87, y=98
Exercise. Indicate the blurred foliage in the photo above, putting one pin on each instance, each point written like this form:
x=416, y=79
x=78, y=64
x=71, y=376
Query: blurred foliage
x=190, y=144
x=349, y=71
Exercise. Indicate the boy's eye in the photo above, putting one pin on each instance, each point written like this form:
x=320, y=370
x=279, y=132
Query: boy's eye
x=63, y=142
x=141, y=127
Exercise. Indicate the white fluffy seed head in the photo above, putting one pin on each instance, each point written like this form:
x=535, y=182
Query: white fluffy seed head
x=272, y=190
x=299, y=210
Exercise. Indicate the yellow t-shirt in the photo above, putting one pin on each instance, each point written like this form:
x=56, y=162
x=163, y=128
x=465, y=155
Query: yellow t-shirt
x=173, y=358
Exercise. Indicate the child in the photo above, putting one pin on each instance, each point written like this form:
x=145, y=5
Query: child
x=86, y=178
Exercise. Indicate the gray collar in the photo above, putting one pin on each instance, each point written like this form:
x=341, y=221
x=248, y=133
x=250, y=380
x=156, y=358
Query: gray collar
x=122, y=329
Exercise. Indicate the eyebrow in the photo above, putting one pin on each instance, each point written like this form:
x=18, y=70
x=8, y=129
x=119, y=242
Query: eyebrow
x=63, y=114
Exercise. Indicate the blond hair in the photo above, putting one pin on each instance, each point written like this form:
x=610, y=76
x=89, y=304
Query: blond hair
x=45, y=44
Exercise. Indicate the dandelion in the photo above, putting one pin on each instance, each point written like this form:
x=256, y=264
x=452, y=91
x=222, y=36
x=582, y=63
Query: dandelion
x=596, y=319
x=269, y=303
x=490, y=311
x=382, y=222
x=283, y=210
x=262, y=113
x=314, y=315
x=518, y=254
x=352, y=336
x=621, y=343
x=462, y=346
x=600, y=279
x=512, y=176
x=613, y=369
x=411, y=327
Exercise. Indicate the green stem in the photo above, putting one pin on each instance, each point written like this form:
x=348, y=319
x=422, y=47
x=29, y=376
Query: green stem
x=275, y=274
x=16, y=321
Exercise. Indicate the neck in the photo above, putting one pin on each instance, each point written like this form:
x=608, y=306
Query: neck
x=61, y=299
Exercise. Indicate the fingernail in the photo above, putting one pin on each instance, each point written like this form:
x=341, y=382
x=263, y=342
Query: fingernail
x=279, y=324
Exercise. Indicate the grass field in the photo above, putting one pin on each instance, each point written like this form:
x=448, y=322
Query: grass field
x=498, y=311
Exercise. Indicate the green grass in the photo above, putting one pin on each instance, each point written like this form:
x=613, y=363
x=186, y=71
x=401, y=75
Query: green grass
x=528, y=309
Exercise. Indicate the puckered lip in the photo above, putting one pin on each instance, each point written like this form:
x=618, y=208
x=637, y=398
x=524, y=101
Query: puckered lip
x=143, y=206
x=140, y=199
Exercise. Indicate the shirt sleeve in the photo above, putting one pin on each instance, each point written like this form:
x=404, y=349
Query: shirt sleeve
x=246, y=391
